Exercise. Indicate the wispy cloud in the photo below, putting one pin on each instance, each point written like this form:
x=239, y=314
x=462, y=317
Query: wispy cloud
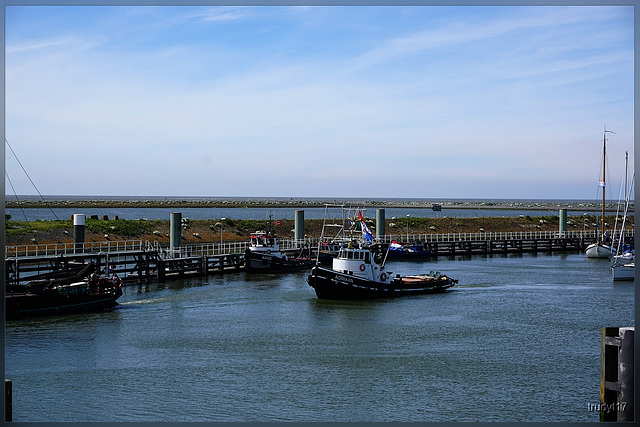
x=451, y=96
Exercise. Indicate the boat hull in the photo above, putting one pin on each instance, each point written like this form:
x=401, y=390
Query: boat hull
x=268, y=263
x=598, y=250
x=408, y=255
x=623, y=272
x=20, y=305
x=329, y=284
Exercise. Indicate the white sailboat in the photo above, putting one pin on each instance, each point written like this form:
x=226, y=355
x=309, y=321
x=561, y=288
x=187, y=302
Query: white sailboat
x=623, y=262
x=599, y=249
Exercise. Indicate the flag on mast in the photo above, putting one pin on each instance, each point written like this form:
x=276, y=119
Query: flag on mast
x=365, y=230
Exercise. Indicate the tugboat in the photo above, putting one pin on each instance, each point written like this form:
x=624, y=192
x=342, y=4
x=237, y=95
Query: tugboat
x=358, y=272
x=264, y=256
x=84, y=291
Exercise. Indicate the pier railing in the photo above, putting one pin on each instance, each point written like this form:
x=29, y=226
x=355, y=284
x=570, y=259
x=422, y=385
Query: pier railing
x=488, y=236
x=56, y=249
x=20, y=251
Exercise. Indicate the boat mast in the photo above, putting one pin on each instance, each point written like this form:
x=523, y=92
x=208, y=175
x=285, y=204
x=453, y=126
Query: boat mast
x=604, y=162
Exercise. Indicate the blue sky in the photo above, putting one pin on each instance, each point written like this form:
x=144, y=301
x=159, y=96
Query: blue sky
x=308, y=101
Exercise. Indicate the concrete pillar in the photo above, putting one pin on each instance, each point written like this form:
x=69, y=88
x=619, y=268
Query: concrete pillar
x=616, y=374
x=563, y=221
x=380, y=231
x=299, y=226
x=175, y=230
x=78, y=233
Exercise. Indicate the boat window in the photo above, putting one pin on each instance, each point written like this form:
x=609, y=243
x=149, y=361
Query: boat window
x=367, y=257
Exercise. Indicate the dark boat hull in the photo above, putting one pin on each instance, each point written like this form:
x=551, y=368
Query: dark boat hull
x=19, y=305
x=329, y=284
x=267, y=263
x=408, y=255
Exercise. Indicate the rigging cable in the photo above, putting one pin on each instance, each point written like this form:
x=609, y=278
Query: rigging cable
x=14, y=193
x=32, y=183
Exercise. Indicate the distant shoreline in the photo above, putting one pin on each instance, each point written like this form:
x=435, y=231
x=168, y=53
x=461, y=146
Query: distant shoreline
x=300, y=203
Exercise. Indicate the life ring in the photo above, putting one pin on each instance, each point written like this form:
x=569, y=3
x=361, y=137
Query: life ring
x=383, y=276
x=362, y=267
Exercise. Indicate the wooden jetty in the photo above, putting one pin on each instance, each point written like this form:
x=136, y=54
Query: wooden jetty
x=501, y=246
x=138, y=261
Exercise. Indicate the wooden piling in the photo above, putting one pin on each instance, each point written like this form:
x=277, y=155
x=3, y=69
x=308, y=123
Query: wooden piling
x=8, y=400
x=616, y=374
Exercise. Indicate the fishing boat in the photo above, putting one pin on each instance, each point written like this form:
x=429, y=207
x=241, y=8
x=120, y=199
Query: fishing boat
x=265, y=256
x=84, y=291
x=359, y=272
x=600, y=249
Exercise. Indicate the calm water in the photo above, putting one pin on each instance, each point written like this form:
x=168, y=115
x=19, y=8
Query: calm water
x=517, y=340
x=32, y=214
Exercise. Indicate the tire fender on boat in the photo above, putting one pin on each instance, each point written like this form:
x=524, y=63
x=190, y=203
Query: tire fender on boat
x=362, y=267
x=383, y=276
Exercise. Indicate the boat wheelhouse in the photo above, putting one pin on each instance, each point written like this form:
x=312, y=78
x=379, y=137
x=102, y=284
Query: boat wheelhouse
x=265, y=256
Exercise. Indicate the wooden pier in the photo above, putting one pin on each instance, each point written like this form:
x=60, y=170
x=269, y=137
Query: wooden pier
x=131, y=266
x=137, y=261
x=504, y=246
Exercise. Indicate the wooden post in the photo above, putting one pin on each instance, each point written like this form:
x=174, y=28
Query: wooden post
x=616, y=374
x=161, y=273
x=8, y=400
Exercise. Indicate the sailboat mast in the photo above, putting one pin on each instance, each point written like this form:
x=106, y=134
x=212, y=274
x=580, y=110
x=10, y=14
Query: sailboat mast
x=604, y=156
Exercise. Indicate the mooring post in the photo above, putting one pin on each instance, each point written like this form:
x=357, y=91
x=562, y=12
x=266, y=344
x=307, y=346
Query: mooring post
x=563, y=222
x=78, y=233
x=616, y=374
x=299, y=227
x=380, y=223
x=8, y=400
x=175, y=231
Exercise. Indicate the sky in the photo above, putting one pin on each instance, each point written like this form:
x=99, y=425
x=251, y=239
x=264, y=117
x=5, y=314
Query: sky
x=310, y=101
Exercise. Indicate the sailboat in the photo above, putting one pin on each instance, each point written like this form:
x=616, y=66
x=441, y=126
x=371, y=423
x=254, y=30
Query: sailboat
x=623, y=263
x=599, y=249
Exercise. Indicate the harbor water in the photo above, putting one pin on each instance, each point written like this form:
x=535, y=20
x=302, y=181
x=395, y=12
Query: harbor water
x=518, y=339
x=264, y=213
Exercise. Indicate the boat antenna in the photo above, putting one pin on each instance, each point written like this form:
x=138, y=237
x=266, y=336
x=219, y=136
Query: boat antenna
x=32, y=183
